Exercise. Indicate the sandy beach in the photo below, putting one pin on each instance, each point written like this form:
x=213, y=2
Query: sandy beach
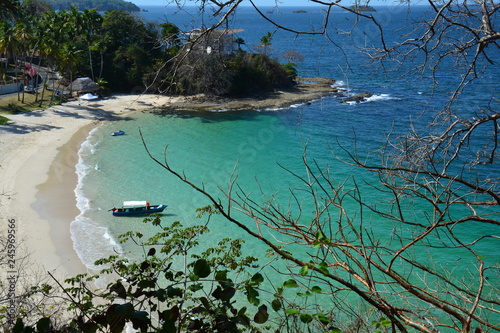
x=38, y=154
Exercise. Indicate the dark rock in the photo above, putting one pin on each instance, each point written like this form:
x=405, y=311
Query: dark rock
x=357, y=98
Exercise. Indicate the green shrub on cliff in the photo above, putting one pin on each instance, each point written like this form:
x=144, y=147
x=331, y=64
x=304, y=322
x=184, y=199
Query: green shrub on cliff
x=235, y=74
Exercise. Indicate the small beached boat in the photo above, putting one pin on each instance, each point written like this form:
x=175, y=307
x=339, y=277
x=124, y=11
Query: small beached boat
x=118, y=133
x=133, y=208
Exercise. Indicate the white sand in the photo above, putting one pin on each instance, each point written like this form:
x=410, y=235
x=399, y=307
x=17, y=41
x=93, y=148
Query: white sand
x=38, y=154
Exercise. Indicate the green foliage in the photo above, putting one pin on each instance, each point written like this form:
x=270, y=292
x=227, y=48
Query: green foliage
x=116, y=45
x=3, y=120
x=178, y=286
x=382, y=323
x=232, y=75
x=15, y=108
x=265, y=42
x=156, y=293
x=100, y=5
x=290, y=69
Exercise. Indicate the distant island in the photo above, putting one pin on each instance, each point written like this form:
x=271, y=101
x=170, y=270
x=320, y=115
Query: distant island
x=100, y=5
x=362, y=8
x=300, y=11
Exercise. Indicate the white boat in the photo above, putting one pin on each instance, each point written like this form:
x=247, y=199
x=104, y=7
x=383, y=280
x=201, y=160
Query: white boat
x=132, y=208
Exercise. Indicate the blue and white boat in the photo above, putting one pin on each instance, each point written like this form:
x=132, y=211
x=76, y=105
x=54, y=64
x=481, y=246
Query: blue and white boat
x=120, y=132
x=134, y=208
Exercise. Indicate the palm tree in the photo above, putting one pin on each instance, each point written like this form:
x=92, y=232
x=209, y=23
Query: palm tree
x=92, y=21
x=51, y=33
x=265, y=42
x=70, y=56
x=9, y=45
x=48, y=49
x=26, y=40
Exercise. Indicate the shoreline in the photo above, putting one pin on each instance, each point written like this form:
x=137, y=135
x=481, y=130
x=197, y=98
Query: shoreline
x=56, y=200
x=38, y=156
x=39, y=153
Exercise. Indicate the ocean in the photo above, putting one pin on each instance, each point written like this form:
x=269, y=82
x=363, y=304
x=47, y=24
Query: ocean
x=262, y=148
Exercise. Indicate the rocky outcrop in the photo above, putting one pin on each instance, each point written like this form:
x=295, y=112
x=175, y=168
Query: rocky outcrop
x=357, y=98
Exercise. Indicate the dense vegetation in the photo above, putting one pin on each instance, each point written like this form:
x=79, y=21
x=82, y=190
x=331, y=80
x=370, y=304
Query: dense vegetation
x=100, y=5
x=236, y=74
x=122, y=50
x=215, y=289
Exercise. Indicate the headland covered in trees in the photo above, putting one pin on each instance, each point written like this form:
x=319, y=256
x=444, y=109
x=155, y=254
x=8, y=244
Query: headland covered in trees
x=100, y=5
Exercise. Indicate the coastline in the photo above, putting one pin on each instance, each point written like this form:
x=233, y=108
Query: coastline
x=38, y=155
x=39, y=152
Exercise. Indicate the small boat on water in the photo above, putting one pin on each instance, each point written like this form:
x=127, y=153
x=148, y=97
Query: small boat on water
x=133, y=208
x=120, y=132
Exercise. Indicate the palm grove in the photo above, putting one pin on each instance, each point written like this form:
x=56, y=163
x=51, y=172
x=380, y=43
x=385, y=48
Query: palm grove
x=433, y=184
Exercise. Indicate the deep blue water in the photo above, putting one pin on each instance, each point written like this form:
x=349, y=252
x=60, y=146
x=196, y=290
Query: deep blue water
x=212, y=147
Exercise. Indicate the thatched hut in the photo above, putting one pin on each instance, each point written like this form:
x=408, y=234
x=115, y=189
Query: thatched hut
x=83, y=85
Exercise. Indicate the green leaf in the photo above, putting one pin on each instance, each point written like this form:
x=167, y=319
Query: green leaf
x=43, y=325
x=147, y=284
x=304, y=270
x=224, y=294
x=124, y=310
x=323, y=267
x=119, y=289
x=322, y=318
x=261, y=316
x=305, y=318
x=140, y=320
x=252, y=295
x=385, y=322
x=151, y=252
x=257, y=278
x=227, y=293
x=205, y=303
x=221, y=276
x=316, y=289
x=335, y=330
x=290, y=284
x=201, y=268
x=320, y=236
x=291, y=311
x=195, y=287
x=276, y=304
x=174, y=292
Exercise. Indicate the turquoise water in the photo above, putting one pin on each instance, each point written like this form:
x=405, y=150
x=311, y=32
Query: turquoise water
x=251, y=146
x=210, y=148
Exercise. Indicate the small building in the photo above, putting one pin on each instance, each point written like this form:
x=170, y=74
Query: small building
x=219, y=41
x=83, y=85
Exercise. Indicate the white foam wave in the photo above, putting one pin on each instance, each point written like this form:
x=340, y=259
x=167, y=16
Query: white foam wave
x=82, y=170
x=373, y=98
x=339, y=83
x=381, y=97
x=90, y=241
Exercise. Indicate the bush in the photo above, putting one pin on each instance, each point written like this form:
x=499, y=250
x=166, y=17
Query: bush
x=232, y=75
x=3, y=120
x=14, y=108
